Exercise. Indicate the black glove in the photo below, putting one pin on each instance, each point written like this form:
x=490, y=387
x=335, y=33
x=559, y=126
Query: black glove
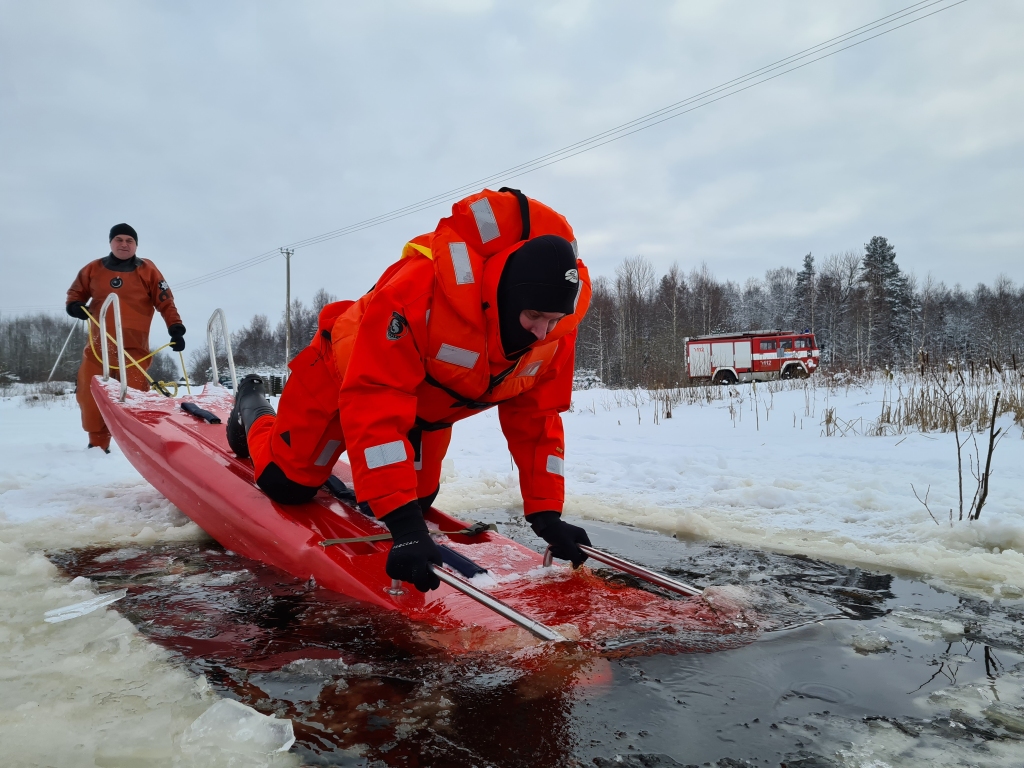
x=563, y=537
x=177, y=333
x=77, y=310
x=413, y=550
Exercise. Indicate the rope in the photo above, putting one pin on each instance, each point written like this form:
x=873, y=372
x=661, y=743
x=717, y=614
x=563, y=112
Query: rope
x=140, y=360
x=474, y=530
x=158, y=386
x=184, y=372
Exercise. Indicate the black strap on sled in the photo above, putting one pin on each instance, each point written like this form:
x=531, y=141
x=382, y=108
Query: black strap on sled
x=200, y=413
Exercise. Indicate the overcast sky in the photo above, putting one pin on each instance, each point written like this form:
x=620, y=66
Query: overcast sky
x=222, y=130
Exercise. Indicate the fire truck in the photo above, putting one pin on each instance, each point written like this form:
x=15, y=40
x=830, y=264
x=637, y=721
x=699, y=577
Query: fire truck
x=727, y=358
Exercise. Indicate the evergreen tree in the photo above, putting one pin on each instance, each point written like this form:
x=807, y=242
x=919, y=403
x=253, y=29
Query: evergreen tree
x=806, y=294
x=888, y=303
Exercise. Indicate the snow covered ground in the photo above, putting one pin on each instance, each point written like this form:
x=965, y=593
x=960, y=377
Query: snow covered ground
x=772, y=479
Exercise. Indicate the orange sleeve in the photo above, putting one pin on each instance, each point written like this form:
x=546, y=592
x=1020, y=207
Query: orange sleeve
x=532, y=424
x=161, y=296
x=81, y=289
x=378, y=401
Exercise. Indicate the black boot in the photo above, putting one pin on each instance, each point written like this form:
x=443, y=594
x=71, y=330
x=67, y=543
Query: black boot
x=250, y=403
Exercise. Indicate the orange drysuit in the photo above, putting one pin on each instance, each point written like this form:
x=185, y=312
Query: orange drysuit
x=386, y=376
x=141, y=289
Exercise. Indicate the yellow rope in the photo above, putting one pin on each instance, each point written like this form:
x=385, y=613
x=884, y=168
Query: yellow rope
x=184, y=372
x=155, y=385
x=140, y=360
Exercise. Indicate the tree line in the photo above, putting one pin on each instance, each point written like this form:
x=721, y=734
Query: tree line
x=863, y=309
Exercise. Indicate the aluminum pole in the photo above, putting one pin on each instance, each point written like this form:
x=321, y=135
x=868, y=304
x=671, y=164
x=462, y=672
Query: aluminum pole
x=542, y=631
x=634, y=570
x=59, y=356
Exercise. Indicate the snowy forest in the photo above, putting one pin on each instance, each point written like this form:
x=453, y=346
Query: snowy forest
x=865, y=311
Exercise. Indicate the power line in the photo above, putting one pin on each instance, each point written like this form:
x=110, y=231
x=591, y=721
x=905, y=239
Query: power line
x=843, y=42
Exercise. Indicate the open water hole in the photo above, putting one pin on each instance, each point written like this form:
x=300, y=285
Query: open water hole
x=857, y=668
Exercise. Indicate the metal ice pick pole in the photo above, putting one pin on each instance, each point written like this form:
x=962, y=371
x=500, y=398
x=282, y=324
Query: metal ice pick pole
x=634, y=570
x=542, y=631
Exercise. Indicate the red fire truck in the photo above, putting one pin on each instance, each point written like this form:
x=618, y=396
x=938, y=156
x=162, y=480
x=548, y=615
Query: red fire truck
x=726, y=358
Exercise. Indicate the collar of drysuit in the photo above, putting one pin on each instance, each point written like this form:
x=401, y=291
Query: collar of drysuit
x=114, y=264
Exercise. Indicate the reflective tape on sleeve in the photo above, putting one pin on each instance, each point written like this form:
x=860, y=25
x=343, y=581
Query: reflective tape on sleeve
x=460, y=260
x=556, y=466
x=575, y=249
x=327, y=453
x=486, y=224
x=383, y=455
x=464, y=358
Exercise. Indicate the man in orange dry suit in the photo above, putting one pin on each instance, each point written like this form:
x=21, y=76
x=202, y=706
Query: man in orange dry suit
x=482, y=311
x=140, y=288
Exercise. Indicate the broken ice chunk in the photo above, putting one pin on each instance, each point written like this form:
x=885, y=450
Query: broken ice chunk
x=1006, y=715
x=81, y=609
x=870, y=642
x=230, y=726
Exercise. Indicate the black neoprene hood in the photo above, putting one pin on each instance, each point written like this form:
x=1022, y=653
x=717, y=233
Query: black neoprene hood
x=540, y=276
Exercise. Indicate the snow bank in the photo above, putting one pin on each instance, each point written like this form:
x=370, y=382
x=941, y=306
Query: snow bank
x=771, y=479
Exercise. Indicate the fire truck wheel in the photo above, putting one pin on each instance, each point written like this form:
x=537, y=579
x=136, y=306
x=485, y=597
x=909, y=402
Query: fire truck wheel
x=725, y=378
x=794, y=372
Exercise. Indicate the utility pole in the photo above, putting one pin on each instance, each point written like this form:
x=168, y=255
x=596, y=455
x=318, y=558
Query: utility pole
x=287, y=308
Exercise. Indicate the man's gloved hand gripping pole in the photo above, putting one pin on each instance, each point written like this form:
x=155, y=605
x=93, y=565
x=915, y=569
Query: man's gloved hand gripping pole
x=412, y=550
x=563, y=538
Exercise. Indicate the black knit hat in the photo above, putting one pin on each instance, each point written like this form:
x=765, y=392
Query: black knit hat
x=541, y=276
x=123, y=229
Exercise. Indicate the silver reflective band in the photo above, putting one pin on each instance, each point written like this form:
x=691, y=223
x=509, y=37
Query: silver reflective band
x=556, y=466
x=460, y=260
x=575, y=249
x=327, y=453
x=579, y=290
x=383, y=455
x=530, y=370
x=428, y=317
x=464, y=358
x=486, y=224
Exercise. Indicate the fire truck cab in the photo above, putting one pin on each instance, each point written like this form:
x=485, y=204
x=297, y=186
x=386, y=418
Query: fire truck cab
x=752, y=356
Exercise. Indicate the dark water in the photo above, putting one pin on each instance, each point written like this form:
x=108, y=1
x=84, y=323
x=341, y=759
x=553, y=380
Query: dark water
x=364, y=687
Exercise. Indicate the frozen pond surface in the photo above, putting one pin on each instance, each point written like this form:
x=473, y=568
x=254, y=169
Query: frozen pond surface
x=914, y=676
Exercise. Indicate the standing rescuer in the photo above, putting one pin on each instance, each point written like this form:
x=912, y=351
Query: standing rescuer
x=481, y=312
x=141, y=289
